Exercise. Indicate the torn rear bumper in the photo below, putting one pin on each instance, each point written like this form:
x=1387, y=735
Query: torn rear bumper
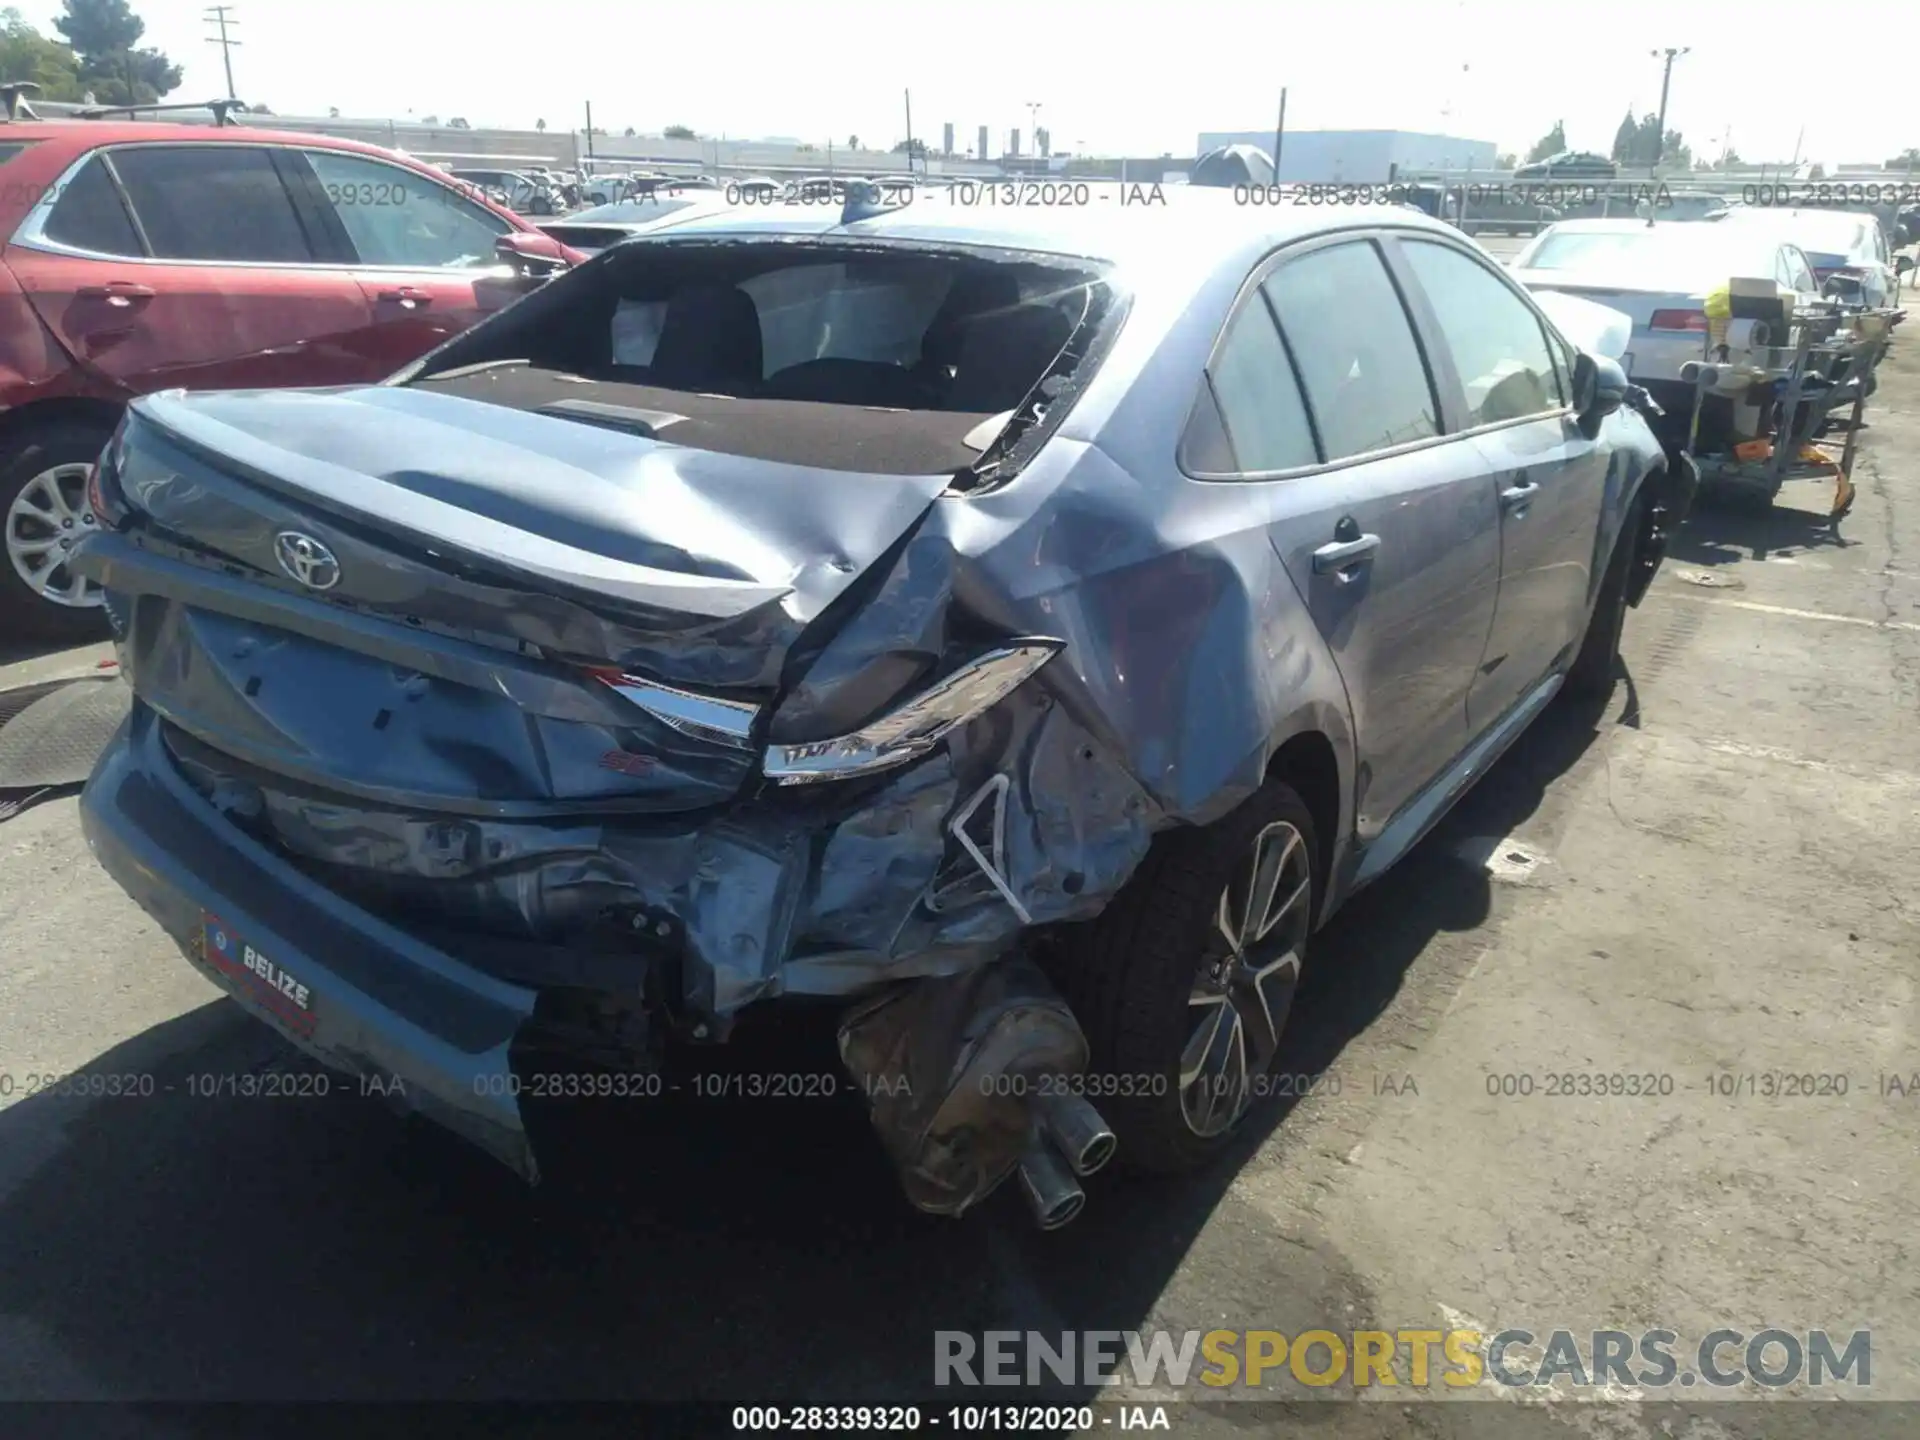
x=376, y=1001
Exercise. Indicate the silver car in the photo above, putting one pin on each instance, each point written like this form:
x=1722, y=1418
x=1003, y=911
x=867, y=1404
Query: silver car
x=1021, y=629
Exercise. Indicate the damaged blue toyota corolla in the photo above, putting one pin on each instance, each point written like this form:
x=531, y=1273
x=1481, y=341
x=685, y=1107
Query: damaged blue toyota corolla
x=1027, y=627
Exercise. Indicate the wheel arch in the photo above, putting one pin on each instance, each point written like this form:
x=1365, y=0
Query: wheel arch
x=37, y=414
x=1314, y=757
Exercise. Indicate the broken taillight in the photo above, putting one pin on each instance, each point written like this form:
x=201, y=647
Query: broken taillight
x=704, y=717
x=103, y=488
x=916, y=726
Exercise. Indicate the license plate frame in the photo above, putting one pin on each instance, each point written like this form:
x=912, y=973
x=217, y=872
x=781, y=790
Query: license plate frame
x=262, y=981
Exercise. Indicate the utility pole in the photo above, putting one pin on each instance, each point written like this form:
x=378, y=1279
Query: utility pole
x=589, y=130
x=1279, y=134
x=222, y=16
x=1666, y=77
x=909, y=98
x=1033, y=128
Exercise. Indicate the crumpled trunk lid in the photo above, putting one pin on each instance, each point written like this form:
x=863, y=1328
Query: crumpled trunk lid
x=678, y=536
x=477, y=569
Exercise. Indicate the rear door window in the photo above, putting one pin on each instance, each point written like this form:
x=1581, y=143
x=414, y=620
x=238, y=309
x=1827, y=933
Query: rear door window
x=90, y=216
x=1365, y=380
x=212, y=202
x=1259, y=402
x=1498, y=344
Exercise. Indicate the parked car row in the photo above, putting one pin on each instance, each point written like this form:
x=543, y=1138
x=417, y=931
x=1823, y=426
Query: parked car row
x=1662, y=276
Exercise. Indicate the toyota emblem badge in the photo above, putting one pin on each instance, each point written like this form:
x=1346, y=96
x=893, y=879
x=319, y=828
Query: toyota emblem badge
x=306, y=560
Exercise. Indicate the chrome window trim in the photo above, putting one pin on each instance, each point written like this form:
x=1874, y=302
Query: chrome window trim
x=30, y=233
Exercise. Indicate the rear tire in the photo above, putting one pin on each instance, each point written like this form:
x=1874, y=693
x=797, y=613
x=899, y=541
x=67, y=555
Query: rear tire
x=43, y=502
x=1169, y=997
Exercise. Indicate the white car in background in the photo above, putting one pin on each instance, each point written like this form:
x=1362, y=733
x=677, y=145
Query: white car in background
x=1659, y=277
x=1848, y=251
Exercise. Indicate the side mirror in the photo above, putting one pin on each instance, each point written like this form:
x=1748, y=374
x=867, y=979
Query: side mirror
x=533, y=253
x=1599, y=389
x=1903, y=264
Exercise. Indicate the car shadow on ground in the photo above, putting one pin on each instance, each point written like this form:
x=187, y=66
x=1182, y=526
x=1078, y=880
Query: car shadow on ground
x=176, y=1245
x=1729, y=529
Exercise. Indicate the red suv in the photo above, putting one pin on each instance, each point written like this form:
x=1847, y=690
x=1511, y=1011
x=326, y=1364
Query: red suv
x=142, y=256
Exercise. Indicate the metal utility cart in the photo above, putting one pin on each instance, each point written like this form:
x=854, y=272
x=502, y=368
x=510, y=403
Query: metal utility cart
x=1795, y=395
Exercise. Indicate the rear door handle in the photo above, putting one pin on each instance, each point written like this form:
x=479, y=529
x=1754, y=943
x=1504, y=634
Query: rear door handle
x=407, y=296
x=1345, y=557
x=1515, y=496
x=120, y=293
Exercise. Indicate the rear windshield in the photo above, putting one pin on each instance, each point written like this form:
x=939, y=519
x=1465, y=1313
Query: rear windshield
x=1813, y=232
x=1657, y=252
x=630, y=212
x=868, y=358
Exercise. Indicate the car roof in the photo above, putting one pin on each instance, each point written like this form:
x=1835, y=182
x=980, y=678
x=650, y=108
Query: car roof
x=91, y=134
x=1116, y=224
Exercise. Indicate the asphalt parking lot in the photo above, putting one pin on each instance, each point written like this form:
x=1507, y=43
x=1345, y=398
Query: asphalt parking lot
x=1715, y=878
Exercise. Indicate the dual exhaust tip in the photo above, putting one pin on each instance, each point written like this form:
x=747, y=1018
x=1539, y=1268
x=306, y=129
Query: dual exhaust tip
x=1069, y=1139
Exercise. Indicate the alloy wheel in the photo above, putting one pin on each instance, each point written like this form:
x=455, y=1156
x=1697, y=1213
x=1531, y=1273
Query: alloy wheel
x=47, y=520
x=1246, y=980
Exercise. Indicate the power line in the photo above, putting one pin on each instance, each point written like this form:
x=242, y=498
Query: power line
x=222, y=16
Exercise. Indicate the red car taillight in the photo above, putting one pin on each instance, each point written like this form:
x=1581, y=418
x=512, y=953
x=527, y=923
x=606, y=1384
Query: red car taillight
x=1695, y=320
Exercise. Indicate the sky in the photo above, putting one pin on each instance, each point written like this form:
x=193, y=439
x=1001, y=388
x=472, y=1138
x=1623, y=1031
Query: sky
x=1112, y=78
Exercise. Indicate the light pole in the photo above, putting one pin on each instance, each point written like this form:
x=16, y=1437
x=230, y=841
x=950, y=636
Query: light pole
x=1033, y=126
x=1666, y=78
x=222, y=16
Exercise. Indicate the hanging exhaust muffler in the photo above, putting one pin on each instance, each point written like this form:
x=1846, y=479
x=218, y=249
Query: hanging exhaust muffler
x=1075, y=1129
x=968, y=1078
x=1053, y=1195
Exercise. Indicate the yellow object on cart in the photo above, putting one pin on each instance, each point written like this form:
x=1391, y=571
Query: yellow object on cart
x=1719, y=314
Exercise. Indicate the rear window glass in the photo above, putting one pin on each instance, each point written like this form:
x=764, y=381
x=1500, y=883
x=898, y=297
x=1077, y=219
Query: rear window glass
x=90, y=216
x=1662, y=254
x=883, y=362
x=630, y=212
x=1578, y=250
x=212, y=202
x=868, y=311
x=12, y=148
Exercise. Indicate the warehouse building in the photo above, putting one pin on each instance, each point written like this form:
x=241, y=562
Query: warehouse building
x=1359, y=156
